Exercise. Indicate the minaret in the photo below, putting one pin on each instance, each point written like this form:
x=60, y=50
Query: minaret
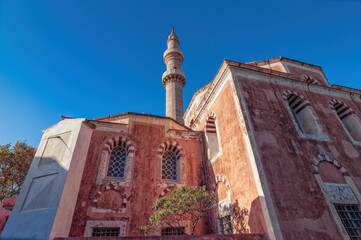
x=174, y=78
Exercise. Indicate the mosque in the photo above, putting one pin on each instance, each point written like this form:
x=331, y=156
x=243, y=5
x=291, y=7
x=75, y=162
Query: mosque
x=272, y=136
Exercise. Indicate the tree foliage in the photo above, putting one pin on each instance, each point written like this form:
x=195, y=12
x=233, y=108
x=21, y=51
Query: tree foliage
x=186, y=203
x=14, y=165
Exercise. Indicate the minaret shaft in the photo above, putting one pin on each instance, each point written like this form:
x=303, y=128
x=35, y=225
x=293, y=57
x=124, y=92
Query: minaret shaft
x=174, y=100
x=174, y=79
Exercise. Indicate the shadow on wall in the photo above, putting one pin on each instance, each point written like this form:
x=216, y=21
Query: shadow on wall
x=34, y=212
x=244, y=220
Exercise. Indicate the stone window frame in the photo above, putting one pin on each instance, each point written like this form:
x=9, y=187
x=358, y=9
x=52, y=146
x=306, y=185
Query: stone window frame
x=211, y=119
x=336, y=101
x=90, y=224
x=307, y=104
x=227, y=201
x=109, y=144
x=329, y=199
x=179, y=151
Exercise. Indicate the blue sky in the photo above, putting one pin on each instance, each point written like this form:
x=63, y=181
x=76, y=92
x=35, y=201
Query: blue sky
x=85, y=58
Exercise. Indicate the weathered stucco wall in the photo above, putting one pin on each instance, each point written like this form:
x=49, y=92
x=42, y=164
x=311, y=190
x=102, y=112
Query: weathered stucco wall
x=286, y=157
x=145, y=184
x=229, y=173
x=45, y=204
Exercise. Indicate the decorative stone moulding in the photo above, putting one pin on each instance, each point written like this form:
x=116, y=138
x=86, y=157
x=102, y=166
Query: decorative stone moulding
x=107, y=148
x=172, y=146
x=174, y=75
x=112, y=185
x=340, y=193
x=320, y=158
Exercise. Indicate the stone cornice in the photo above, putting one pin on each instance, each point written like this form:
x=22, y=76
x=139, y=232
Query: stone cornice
x=174, y=75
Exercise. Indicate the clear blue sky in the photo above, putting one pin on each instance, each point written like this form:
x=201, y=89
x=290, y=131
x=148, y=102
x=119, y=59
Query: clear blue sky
x=85, y=58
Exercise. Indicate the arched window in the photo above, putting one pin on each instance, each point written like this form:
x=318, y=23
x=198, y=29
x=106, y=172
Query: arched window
x=117, y=162
x=170, y=154
x=169, y=166
x=348, y=118
x=341, y=195
x=212, y=136
x=224, y=209
x=303, y=114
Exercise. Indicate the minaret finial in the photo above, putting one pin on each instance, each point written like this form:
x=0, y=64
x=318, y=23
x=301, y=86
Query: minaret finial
x=172, y=29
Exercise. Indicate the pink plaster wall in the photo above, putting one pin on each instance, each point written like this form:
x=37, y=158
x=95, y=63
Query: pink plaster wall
x=146, y=176
x=286, y=157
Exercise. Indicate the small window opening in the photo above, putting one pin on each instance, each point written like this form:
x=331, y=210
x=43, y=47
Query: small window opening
x=304, y=115
x=173, y=231
x=350, y=216
x=105, y=232
x=226, y=224
x=117, y=162
x=169, y=166
x=349, y=119
x=212, y=137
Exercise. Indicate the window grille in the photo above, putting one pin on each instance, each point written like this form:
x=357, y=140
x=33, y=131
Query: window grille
x=226, y=224
x=105, y=232
x=173, y=231
x=117, y=162
x=169, y=166
x=351, y=219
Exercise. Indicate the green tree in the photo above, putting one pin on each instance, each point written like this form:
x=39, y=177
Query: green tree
x=186, y=203
x=14, y=165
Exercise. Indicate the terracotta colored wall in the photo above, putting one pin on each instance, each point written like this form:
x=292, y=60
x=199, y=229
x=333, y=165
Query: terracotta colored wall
x=233, y=164
x=145, y=184
x=286, y=157
x=299, y=72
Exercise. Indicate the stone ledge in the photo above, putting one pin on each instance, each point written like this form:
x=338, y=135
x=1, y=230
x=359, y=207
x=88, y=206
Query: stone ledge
x=182, y=237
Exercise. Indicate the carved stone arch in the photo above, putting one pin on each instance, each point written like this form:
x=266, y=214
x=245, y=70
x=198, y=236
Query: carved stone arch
x=341, y=108
x=211, y=115
x=112, y=185
x=288, y=93
x=175, y=147
x=109, y=144
x=223, y=179
x=322, y=157
x=310, y=80
x=119, y=141
x=348, y=119
x=211, y=123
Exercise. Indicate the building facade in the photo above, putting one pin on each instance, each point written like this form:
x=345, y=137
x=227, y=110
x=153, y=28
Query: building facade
x=277, y=145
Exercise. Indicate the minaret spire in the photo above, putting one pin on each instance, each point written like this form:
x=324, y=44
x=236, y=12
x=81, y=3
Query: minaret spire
x=174, y=78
